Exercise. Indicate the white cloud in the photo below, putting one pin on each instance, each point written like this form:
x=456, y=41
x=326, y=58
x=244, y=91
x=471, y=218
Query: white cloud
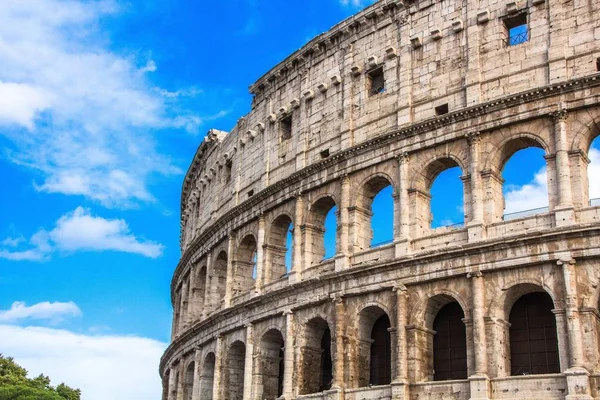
x=80, y=114
x=13, y=242
x=81, y=231
x=54, y=312
x=357, y=3
x=102, y=366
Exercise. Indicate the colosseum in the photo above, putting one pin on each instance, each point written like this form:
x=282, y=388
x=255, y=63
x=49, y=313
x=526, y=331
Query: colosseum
x=492, y=308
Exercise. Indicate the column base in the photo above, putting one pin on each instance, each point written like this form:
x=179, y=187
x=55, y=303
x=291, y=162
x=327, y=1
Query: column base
x=564, y=216
x=476, y=232
x=402, y=247
x=400, y=390
x=578, y=384
x=480, y=387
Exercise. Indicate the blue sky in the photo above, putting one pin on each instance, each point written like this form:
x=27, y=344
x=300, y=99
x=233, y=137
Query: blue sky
x=102, y=106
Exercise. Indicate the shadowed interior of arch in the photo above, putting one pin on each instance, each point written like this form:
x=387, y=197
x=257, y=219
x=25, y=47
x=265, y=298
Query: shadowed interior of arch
x=525, y=187
x=245, y=266
x=449, y=343
x=270, y=365
x=207, y=376
x=188, y=386
x=280, y=250
x=234, y=371
x=374, y=347
x=316, y=357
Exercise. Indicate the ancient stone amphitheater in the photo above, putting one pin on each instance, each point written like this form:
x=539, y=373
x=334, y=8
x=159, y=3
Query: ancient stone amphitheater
x=494, y=308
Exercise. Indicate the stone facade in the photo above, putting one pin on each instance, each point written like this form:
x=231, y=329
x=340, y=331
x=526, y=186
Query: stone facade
x=496, y=308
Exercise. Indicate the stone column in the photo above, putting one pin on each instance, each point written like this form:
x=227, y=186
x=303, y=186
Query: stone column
x=248, y=361
x=479, y=382
x=400, y=384
x=196, y=382
x=564, y=213
x=288, y=356
x=172, y=389
x=578, y=385
x=260, y=255
x=230, y=277
x=217, y=383
x=402, y=239
x=340, y=325
x=180, y=380
x=475, y=226
x=296, y=272
x=183, y=307
x=342, y=257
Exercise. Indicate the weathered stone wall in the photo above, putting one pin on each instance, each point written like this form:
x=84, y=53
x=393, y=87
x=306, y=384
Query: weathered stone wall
x=246, y=327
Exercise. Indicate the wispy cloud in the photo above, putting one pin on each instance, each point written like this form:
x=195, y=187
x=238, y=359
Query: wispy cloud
x=357, y=3
x=124, y=362
x=81, y=231
x=53, y=312
x=77, y=112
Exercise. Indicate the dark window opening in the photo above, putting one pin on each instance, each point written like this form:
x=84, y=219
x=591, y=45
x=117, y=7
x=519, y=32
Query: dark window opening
x=598, y=64
x=251, y=193
x=325, y=153
x=228, y=168
x=381, y=352
x=285, y=127
x=280, y=375
x=449, y=344
x=517, y=30
x=533, y=339
x=326, y=362
x=376, y=82
x=441, y=110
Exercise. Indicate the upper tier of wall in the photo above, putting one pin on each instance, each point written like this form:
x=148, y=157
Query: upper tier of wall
x=431, y=53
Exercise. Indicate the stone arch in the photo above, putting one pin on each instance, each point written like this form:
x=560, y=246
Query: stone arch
x=269, y=366
x=188, y=381
x=200, y=292
x=316, y=357
x=587, y=128
x=207, y=376
x=234, y=371
x=315, y=227
x=369, y=188
x=421, y=334
x=244, y=266
x=374, y=346
x=218, y=280
x=275, y=265
x=420, y=192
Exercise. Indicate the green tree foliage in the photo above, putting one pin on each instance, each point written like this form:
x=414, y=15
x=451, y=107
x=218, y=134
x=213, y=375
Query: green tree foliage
x=15, y=385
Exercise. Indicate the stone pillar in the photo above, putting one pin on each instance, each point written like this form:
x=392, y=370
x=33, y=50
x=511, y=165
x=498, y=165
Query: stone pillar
x=260, y=255
x=340, y=325
x=342, y=258
x=196, y=382
x=402, y=239
x=180, y=380
x=217, y=383
x=229, y=280
x=578, y=385
x=475, y=227
x=400, y=385
x=208, y=289
x=248, y=362
x=288, y=356
x=183, y=307
x=296, y=272
x=479, y=382
x=564, y=212
x=172, y=389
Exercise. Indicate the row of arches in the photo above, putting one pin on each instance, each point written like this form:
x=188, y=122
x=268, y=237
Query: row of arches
x=533, y=343
x=372, y=219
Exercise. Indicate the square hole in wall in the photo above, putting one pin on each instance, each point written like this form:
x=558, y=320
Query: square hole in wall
x=285, y=127
x=250, y=193
x=228, y=168
x=324, y=153
x=376, y=81
x=441, y=110
x=517, y=30
x=598, y=64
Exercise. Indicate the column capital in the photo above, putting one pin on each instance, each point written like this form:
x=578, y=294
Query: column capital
x=560, y=115
x=565, y=262
x=399, y=288
x=475, y=274
x=345, y=178
x=473, y=138
x=288, y=312
x=403, y=157
x=337, y=298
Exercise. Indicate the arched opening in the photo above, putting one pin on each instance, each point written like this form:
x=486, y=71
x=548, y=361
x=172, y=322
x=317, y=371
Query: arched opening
x=449, y=344
x=375, y=348
x=244, y=270
x=525, y=186
x=270, y=366
x=219, y=280
x=188, y=384
x=321, y=230
x=447, y=198
x=279, y=248
x=317, y=373
x=200, y=293
x=533, y=336
x=207, y=377
x=594, y=173
x=374, y=214
x=234, y=371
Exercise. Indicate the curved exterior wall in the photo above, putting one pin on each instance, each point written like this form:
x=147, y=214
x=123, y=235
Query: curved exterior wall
x=318, y=136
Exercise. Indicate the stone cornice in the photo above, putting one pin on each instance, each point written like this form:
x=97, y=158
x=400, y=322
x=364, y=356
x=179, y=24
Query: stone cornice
x=250, y=205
